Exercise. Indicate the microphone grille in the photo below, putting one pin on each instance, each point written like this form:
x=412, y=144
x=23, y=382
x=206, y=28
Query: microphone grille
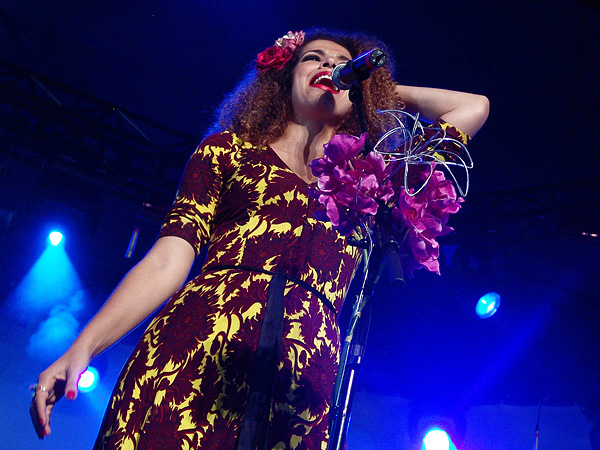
x=336, y=77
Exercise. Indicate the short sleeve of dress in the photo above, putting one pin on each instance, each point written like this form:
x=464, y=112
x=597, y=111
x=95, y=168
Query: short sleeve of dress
x=192, y=213
x=452, y=131
x=445, y=141
x=452, y=140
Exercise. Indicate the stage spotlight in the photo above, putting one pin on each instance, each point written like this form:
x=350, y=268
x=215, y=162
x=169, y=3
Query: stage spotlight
x=55, y=238
x=488, y=305
x=436, y=439
x=89, y=380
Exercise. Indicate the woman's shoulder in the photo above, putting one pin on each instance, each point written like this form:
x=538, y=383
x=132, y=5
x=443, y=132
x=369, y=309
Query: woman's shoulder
x=225, y=146
x=225, y=141
x=224, y=149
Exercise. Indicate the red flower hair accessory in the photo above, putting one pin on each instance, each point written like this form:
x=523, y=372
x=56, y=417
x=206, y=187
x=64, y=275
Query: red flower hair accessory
x=277, y=56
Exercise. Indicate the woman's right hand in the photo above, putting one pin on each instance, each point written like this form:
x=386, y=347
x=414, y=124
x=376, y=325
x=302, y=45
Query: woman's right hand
x=58, y=380
x=153, y=280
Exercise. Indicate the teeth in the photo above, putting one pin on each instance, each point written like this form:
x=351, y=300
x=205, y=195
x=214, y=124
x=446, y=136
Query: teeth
x=325, y=77
x=322, y=77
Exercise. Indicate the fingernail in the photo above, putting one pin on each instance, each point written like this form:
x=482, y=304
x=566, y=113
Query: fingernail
x=70, y=395
x=41, y=422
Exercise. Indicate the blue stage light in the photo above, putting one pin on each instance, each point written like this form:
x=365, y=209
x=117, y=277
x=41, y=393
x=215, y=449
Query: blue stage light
x=52, y=286
x=488, y=305
x=436, y=439
x=55, y=238
x=89, y=380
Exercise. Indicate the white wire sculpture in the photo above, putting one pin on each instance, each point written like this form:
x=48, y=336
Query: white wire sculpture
x=415, y=144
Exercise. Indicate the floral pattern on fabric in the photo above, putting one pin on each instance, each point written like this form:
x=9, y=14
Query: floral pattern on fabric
x=185, y=385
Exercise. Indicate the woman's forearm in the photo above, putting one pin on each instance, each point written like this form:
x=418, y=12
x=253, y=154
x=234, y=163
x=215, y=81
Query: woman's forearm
x=152, y=281
x=467, y=112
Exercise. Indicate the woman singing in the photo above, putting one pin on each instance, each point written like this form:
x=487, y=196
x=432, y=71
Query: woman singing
x=245, y=355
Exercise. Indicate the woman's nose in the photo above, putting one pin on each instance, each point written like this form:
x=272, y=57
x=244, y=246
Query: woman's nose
x=329, y=62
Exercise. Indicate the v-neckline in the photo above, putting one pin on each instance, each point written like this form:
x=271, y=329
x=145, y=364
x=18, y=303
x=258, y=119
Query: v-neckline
x=283, y=164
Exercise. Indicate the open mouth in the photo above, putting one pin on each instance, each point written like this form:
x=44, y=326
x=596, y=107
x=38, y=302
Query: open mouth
x=322, y=80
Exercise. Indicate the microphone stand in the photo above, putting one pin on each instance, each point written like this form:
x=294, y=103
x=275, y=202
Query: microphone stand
x=356, y=97
x=385, y=250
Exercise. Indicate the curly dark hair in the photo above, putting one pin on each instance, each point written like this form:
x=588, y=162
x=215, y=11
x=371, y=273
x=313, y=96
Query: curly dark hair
x=260, y=107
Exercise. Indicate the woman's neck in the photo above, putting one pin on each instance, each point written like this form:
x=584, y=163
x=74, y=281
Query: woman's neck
x=299, y=145
x=305, y=142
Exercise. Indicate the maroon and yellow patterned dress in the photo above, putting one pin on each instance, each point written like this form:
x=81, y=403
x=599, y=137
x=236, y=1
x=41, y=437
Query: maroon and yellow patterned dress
x=186, y=384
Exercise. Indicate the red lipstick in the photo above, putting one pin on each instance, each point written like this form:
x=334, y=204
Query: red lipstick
x=322, y=80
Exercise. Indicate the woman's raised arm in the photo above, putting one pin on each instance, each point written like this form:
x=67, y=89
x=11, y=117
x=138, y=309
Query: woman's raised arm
x=152, y=281
x=467, y=112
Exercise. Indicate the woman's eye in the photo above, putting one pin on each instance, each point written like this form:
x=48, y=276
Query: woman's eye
x=310, y=58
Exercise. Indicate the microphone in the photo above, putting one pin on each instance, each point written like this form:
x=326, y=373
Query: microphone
x=359, y=69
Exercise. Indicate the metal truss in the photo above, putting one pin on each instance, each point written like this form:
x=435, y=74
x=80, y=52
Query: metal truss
x=568, y=210
x=57, y=128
